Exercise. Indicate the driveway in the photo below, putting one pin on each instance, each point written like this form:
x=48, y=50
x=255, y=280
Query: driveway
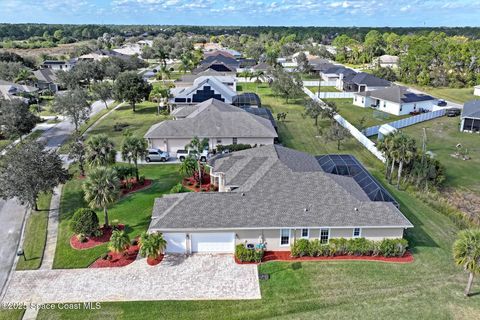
x=196, y=277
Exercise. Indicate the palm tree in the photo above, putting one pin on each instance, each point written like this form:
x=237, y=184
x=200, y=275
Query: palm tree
x=466, y=252
x=394, y=154
x=152, y=245
x=163, y=73
x=405, y=152
x=24, y=76
x=101, y=189
x=385, y=147
x=187, y=167
x=198, y=146
x=134, y=148
x=100, y=151
x=119, y=241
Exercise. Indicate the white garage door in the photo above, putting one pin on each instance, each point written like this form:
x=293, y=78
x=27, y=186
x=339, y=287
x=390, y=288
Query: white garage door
x=213, y=242
x=176, y=242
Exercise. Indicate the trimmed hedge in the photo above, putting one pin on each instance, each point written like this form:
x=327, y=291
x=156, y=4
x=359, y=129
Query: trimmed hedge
x=354, y=247
x=233, y=147
x=248, y=255
x=84, y=222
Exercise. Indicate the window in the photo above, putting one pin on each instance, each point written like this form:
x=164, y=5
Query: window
x=234, y=140
x=305, y=233
x=384, y=104
x=363, y=100
x=284, y=237
x=324, y=235
x=219, y=141
x=357, y=232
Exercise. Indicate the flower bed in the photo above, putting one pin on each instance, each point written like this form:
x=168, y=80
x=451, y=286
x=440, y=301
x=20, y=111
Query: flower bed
x=190, y=184
x=117, y=259
x=136, y=186
x=93, y=241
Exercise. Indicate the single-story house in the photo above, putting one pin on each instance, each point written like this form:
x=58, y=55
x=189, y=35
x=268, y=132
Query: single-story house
x=272, y=195
x=361, y=81
x=219, y=122
x=131, y=49
x=334, y=73
x=14, y=91
x=65, y=65
x=476, y=91
x=46, y=79
x=471, y=116
x=320, y=65
x=396, y=100
x=193, y=79
x=101, y=54
x=388, y=61
x=203, y=88
x=216, y=65
x=262, y=66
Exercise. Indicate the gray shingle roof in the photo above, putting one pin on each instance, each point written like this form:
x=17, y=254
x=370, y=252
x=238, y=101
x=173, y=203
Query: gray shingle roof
x=281, y=188
x=471, y=109
x=370, y=80
x=214, y=119
x=397, y=94
x=45, y=75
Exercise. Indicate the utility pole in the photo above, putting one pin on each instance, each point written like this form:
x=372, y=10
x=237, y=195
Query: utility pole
x=319, y=84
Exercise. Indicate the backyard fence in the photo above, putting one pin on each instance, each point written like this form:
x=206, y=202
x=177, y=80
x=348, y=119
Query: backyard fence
x=335, y=95
x=371, y=131
x=367, y=143
x=314, y=83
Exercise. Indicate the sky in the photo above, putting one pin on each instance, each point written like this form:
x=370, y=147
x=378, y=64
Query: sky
x=374, y=13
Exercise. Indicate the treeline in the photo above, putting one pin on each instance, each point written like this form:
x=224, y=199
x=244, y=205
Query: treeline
x=431, y=59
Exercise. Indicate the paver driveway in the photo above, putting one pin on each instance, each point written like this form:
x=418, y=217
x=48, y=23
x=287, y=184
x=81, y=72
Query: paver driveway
x=175, y=278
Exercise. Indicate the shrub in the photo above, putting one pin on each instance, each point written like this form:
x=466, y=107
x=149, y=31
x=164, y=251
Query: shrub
x=125, y=172
x=233, y=147
x=84, y=221
x=248, y=255
x=300, y=248
x=152, y=244
x=81, y=237
x=360, y=247
x=119, y=241
x=338, y=246
x=177, y=188
x=119, y=126
x=393, y=247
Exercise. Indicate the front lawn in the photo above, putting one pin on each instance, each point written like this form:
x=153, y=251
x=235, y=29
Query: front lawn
x=14, y=314
x=137, y=122
x=323, y=89
x=459, y=95
x=134, y=210
x=35, y=235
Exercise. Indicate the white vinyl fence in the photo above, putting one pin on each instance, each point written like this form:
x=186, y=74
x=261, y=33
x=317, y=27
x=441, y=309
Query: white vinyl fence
x=314, y=83
x=367, y=143
x=371, y=131
x=335, y=95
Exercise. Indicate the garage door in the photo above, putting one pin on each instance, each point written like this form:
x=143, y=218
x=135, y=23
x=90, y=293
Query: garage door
x=176, y=242
x=213, y=242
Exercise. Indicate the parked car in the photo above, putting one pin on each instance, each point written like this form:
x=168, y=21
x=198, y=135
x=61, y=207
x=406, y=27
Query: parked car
x=442, y=103
x=157, y=155
x=453, y=112
x=183, y=154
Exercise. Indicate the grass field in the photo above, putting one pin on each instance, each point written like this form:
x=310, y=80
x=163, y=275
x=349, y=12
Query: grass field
x=442, y=137
x=459, y=95
x=429, y=288
x=35, y=235
x=324, y=89
x=137, y=122
x=11, y=314
x=134, y=210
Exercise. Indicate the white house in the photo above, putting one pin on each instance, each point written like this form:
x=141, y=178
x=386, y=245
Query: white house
x=56, y=65
x=476, y=90
x=219, y=122
x=203, y=88
x=388, y=61
x=396, y=100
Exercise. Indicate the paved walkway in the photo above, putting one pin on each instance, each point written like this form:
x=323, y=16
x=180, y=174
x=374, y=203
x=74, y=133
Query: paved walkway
x=196, y=277
x=52, y=229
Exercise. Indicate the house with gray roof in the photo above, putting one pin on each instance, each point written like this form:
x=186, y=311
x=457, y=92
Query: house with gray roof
x=219, y=122
x=470, y=116
x=272, y=195
x=203, y=89
x=46, y=79
x=15, y=91
x=360, y=82
x=396, y=100
x=334, y=72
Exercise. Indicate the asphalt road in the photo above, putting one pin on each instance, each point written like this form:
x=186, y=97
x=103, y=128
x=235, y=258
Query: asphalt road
x=12, y=213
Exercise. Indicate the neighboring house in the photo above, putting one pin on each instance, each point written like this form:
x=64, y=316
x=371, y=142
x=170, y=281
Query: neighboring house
x=361, y=82
x=15, y=91
x=387, y=61
x=101, y=54
x=192, y=79
x=396, y=100
x=59, y=64
x=320, y=65
x=476, y=91
x=216, y=65
x=145, y=43
x=275, y=195
x=219, y=122
x=46, y=79
x=471, y=116
x=130, y=50
x=216, y=53
x=209, y=46
x=334, y=73
x=262, y=66
x=203, y=88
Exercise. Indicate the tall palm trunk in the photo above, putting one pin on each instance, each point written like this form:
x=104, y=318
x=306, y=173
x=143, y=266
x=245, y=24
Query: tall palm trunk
x=387, y=163
x=400, y=167
x=392, y=168
x=105, y=214
x=469, y=284
x=136, y=169
x=199, y=173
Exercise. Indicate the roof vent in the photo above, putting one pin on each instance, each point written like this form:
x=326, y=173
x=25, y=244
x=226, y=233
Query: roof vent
x=356, y=209
x=305, y=209
x=243, y=194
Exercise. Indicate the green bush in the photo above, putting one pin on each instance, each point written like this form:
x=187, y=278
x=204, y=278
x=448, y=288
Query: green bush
x=300, y=248
x=315, y=248
x=360, y=247
x=177, y=188
x=125, y=172
x=393, y=247
x=84, y=221
x=233, y=147
x=248, y=255
x=338, y=246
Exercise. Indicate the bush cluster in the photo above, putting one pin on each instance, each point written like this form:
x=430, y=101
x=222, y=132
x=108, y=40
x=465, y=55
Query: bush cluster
x=248, y=255
x=232, y=147
x=84, y=222
x=354, y=247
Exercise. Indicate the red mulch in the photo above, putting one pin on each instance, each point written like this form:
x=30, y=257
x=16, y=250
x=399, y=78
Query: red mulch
x=192, y=187
x=118, y=259
x=285, y=256
x=136, y=186
x=93, y=241
x=154, y=262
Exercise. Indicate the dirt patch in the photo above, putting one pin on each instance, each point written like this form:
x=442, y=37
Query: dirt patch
x=466, y=201
x=62, y=49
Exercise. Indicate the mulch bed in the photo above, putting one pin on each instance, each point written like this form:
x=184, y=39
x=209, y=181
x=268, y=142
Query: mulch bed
x=285, y=256
x=137, y=187
x=189, y=183
x=154, y=262
x=118, y=259
x=93, y=241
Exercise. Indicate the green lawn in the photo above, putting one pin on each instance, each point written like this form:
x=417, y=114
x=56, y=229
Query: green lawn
x=133, y=210
x=354, y=114
x=137, y=122
x=35, y=235
x=459, y=95
x=11, y=314
x=323, y=89
x=430, y=288
x=442, y=137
